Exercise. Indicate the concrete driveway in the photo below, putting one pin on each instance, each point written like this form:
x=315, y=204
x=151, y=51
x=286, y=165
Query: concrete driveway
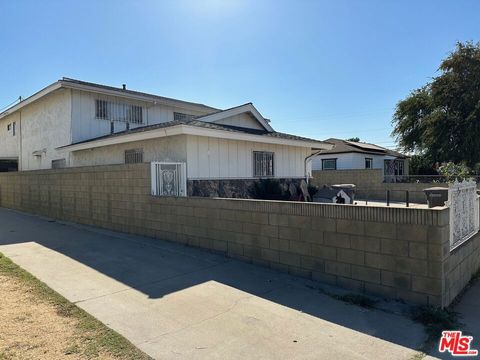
x=176, y=302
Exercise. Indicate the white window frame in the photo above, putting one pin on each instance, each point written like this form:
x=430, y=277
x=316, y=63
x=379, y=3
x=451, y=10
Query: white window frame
x=329, y=168
x=370, y=161
x=263, y=164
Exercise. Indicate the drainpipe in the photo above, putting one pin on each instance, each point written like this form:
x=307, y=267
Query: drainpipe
x=305, y=163
x=20, y=134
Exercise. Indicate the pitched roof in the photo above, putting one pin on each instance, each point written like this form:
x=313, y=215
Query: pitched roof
x=105, y=89
x=345, y=146
x=205, y=125
x=66, y=81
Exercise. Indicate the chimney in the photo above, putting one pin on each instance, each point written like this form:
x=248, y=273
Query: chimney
x=124, y=86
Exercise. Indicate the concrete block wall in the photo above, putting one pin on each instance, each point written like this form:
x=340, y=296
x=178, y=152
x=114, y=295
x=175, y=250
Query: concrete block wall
x=370, y=184
x=391, y=252
x=365, y=179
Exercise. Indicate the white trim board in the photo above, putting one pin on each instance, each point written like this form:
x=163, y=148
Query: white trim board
x=190, y=130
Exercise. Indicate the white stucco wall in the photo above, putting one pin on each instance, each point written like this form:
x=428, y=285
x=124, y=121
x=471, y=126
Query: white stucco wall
x=9, y=144
x=212, y=158
x=349, y=161
x=45, y=125
x=86, y=126
x=169, y=149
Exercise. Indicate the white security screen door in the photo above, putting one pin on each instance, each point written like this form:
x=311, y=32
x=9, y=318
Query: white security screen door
x=169, y=179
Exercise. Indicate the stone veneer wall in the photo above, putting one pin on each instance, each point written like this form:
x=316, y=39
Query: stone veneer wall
x=230, y=188
x=392, y=252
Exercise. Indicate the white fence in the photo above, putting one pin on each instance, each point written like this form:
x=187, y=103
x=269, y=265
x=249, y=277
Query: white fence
x=169, y=179
x=464, y=212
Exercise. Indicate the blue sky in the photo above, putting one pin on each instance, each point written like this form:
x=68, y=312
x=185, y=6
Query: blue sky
x=315, y=68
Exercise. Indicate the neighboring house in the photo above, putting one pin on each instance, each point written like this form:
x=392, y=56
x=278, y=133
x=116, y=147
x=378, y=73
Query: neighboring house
x=347, y=155
x=74, y=123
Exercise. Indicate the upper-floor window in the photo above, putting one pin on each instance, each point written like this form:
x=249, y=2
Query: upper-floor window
x=12, y=127
x=182, y=116
x=368, y=163
x=329, y=164
x=263, y=164
x=112, y=111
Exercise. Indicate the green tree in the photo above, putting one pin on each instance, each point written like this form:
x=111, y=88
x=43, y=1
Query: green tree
x=354, y=139
x=441, y=120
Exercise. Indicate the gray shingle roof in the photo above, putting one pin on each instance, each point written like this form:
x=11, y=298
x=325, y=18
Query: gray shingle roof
x=344, y=146
x=205, y=125
x=132, y=92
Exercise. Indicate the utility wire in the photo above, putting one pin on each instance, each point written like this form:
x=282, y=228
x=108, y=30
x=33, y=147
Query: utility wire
x=6, y=107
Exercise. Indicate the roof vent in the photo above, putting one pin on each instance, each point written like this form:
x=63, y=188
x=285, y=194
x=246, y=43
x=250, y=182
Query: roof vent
x=124, y=86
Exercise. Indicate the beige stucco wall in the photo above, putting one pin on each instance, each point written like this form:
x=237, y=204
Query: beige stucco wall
x=45, y=125
x=9, y=144
x=168, y=149
x=206, y=158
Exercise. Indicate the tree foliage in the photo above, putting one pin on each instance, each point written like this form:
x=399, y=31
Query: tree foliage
x=441, y=120
x=354, y=139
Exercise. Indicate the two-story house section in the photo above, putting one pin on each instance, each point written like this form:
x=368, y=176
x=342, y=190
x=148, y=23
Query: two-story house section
x=73, y=123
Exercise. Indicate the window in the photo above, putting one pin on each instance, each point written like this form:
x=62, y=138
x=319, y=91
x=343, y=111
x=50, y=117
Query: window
x=133, y=156
x=329, y=164
x=399, y=167
x=107, y=110
x=368, y=163
x=182, y=116
x=59, y=164
x=263, y=164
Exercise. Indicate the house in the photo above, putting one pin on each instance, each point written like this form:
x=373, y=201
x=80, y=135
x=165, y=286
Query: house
x=348, y=155
x=73, y=123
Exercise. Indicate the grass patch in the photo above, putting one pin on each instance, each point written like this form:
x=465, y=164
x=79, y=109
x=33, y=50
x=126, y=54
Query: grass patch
x=92, y=338
x=357, y=299
x=435, y=320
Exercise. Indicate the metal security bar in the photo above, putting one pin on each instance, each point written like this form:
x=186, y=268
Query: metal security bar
x=464, y=212
x=263, y=164
x=118, y=111
x=169, y=179
x=182, y=116
x=133, y=156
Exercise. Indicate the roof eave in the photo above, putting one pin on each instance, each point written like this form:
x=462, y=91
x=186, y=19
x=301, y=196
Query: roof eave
x=38, y=95
x=189, y=130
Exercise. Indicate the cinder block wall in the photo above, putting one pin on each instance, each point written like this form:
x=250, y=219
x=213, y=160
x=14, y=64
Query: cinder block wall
x=392, y=252
x=370, y=184
x=365, y=179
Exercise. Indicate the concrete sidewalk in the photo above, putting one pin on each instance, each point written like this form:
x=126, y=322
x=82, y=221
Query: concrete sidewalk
x=175, y=302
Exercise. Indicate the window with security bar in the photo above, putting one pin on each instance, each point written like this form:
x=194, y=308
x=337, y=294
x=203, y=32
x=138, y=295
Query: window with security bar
x=133, y=156
x=182, y=116
x=117, y=111
x=263, y=164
